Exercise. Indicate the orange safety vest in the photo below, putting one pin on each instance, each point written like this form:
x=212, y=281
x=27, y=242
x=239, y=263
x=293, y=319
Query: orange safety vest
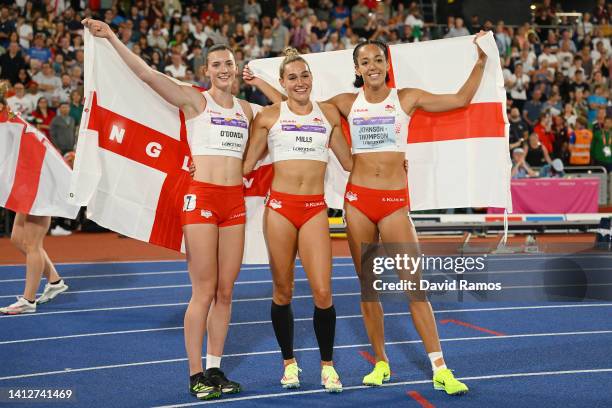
x=581, y=148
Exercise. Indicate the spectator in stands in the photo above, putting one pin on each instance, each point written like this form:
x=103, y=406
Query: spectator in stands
x=601, y=145
x=43, y=115
x=340, y=11
x=458, y=29
x=544, y=131
x=47, y=81
x=359, y=17
x=280, y=37
x=536, y=153
x=597, y=101
x=520, y=168
x=11, y=63
x=62, y=129
x=517, y=84
x=580, y=144
x=76, y=107
x=177, y=69
x=252, y=8
x=554, y=169
x=533, y=108
x=519, y=131
x=40, y=51
x=21, y=102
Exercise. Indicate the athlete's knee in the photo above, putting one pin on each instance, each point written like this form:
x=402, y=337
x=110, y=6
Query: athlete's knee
x=31, y=248
x=224, y=295
x=17, y=241
x=282, y=294
x=322, y=297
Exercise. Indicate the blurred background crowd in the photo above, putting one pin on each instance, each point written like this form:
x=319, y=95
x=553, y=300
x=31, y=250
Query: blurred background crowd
x=556, y=63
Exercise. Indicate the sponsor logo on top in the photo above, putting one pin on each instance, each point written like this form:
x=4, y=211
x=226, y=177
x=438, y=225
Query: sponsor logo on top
x=390, y=108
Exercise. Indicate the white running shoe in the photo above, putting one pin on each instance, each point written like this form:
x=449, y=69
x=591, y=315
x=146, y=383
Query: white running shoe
x=19, y=307
x=51, y=291
x=59, y=232
x=330, y=379
x=291, y=377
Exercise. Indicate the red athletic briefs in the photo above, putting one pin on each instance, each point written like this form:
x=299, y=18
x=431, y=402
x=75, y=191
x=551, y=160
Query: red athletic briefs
x=206, y=203
x=298, y=209
x=376, y=204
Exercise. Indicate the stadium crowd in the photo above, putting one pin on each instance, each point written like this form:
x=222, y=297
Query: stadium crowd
x=556, y=70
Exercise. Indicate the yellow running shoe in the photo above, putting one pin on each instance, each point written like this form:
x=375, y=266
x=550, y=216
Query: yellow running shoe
x=330, y=379
x=380, y=374
x=445, y=380
x=291, y=377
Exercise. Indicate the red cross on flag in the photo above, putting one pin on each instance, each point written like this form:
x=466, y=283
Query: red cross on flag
x=455, y=159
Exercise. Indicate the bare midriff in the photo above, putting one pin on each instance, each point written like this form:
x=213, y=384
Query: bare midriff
x=219, y=170
x=379, y=170
x=300, y=177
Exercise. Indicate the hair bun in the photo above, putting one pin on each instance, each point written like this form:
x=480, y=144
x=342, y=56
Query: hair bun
x=290, y=52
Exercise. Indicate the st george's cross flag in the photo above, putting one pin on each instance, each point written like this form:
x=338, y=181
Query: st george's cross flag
x=455, y=159
x=34, y=178
x=132, y=159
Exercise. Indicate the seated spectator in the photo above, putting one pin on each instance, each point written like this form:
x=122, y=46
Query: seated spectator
x=21, y=102
x=536, y=153
x=177, y=69
x=40, y=51
x=43, y=115
x=580, y=144
x=76, y=106
x=458, y=30
x=601, y=145
x=11, y=62
x=569, y=115
x=554, y=169
x=520, y=168
x=47, y=81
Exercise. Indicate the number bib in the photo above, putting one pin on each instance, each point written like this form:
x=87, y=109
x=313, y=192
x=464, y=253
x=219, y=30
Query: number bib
x=373, y=133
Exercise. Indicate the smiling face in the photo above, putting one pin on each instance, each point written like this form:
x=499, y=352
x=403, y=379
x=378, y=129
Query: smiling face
x=372, y=65
x=297, y=81
x=221, y=68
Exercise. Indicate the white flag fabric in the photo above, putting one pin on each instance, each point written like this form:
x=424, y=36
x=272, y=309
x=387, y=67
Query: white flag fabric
x=132, y=158
x=34, y=178
x=455, y=159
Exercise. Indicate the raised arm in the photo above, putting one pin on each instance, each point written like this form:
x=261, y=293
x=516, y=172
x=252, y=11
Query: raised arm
x=184, y=97
x=271, y=93
x=412, y=98
x=258, y=137
x=337, y=141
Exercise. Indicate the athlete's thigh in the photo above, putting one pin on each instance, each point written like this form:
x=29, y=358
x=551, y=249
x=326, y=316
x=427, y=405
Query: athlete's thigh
x=281, y=240
x=35, y=229
x=201, y=243
x=360, y=232
x=314, y=246
x=231, y=248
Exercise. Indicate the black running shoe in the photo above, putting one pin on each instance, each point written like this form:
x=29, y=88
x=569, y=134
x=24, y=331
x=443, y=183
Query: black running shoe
x=218, y=378
x=203, y=388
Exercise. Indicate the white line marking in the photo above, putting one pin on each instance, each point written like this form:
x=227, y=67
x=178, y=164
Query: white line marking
x=305, y=319
x=392, y=384
x=261, y=353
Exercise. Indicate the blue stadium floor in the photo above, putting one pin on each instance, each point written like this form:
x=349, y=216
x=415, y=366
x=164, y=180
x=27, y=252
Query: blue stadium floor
x=115, y=338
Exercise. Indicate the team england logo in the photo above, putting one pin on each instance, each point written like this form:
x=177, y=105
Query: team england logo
x=276, y=204
x=350, y=196
x=206, y=213
x=390, y=108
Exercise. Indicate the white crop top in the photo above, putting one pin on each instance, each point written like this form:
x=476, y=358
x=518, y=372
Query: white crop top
x=378, y=127
x=299, y=137
x=218, y=131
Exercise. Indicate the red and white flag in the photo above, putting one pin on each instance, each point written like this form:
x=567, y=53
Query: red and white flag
x=455, y=159
x=132, y=159
x=34, y=178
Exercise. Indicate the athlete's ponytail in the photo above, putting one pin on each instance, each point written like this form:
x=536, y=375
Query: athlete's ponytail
x=291, y=55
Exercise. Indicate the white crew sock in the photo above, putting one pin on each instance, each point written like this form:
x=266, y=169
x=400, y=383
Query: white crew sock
x=212, y=361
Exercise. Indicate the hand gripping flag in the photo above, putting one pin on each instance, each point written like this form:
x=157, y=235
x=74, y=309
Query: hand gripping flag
x=132, y=159
x=34, y=178
x=455, y=159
